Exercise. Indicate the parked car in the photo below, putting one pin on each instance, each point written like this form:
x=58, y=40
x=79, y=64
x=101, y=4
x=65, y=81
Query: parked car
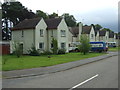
x=111, y=44
x=73, y=47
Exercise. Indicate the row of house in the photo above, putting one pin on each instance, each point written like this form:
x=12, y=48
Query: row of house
x=39, y=32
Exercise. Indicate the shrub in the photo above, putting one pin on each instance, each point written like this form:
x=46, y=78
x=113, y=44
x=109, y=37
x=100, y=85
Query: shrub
x=55, y=46
x=18, y=50
x=84, y=47
x=47, y=53
x=61, y=51
x=33, y=51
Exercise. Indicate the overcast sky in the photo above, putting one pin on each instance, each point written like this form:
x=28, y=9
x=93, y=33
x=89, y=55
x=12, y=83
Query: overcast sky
x=103, y=12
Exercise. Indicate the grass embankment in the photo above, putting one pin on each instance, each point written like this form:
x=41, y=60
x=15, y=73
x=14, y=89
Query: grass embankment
x=24, y=62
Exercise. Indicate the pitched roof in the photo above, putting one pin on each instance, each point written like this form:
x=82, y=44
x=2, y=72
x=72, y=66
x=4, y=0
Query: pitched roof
x=111, y=34
x=102, y=33
x=86, y=29
x=53, y=23
x=74, y=31
x=27, y=24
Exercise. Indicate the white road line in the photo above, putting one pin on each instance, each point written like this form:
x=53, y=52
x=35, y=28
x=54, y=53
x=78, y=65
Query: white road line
x=84, y=82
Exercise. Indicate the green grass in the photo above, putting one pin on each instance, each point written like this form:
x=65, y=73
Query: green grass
x=24, y=62
x=114, y=48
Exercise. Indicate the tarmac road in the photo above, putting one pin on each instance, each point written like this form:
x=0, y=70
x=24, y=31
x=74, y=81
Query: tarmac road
x=100, y=74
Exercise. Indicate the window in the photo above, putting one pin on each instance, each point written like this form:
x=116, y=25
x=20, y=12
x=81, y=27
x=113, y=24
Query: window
x=62, y=45
x=22, y=33
x=92, y=36
x=62, y=33
x=41, y=45
x=52, y=33
x=51, y=45
x=41, y=32
x=106, y=37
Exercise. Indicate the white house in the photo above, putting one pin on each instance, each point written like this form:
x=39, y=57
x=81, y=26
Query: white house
x=39, y=32
x=104, y=36
x=89, y=31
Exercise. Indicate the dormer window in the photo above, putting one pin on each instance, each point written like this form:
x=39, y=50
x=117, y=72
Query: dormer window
x=63, y=34
x=52, y=33
x=92, y=36
x=41, y=32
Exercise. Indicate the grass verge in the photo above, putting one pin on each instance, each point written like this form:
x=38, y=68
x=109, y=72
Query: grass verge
x=11, y=62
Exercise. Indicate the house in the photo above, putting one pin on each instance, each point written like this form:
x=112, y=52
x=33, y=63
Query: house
x=117, y=39
x=111, y=36
x=89, y=31
x=39, y=32
x=75, y=33
x=103, y=35
x=58, y=29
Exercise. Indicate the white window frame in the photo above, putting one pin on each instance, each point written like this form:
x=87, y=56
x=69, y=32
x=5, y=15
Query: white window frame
x=92, y=36
x=42, y=45
x=63, y=33
x=41, y=32
x=64, y=45
x=51, y=33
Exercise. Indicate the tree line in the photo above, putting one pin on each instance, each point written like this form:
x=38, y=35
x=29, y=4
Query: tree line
x=15, y=12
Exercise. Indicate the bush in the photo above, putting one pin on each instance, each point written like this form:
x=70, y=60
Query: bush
x=47, y=53
x=84, y=47
x=33, y=51
x=55, y=46
x=18, y=50
x=61, y=51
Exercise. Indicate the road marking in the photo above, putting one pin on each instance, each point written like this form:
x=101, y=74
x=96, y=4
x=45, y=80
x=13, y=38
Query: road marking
x=84, y=82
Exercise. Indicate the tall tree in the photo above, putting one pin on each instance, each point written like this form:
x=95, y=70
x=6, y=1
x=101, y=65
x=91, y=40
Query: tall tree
x=53, y=15
x=42, y=14
x=70, y=20
x=98, y=27
x=13, y=12
x=107, y=29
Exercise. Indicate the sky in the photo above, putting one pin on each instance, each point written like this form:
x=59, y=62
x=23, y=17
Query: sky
x=103, y=12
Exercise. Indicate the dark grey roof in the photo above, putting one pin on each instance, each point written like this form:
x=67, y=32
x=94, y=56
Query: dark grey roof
x=86, y=29
x=31, y=23
x=53, y=23
x=27, y=24
x=74, y=31
x=102, y=33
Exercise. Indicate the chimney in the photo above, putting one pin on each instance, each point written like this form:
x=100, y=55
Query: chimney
x=80, y=29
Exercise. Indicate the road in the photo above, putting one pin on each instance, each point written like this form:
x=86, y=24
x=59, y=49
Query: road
x=100, y=74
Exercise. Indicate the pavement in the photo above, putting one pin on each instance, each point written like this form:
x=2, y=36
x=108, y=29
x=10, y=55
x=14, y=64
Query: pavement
x=53, y=69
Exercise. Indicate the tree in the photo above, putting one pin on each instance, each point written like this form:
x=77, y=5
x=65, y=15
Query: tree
x=12, y=14
x=53, y=15
x=98, y=27
x=18, y=51
x=107, y=29
x=42, y=14
x=70, y=20
x=55, y=46
x=15, y=12
x=84, y=46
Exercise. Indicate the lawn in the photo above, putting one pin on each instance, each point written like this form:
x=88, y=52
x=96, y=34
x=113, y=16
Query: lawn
x=114, y=48
x=24, y=62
